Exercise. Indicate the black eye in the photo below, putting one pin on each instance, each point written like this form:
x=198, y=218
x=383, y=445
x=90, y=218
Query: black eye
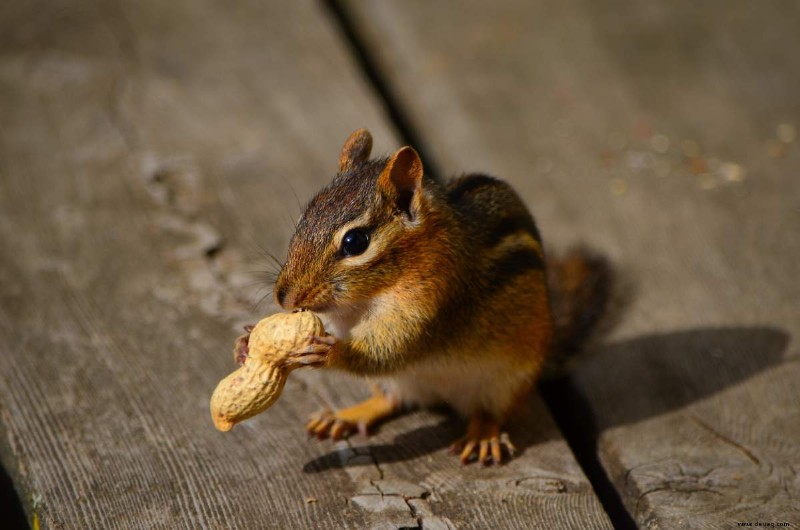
x=355, y=242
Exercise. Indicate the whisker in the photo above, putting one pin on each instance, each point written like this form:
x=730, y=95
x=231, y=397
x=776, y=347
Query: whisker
x=255, y=306
x=299, y=205
x=260, y=284
x=265, y=275
x=262, y=273
x=275, y=260
x=262, y=251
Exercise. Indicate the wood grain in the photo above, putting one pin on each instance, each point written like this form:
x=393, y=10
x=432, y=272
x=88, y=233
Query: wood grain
x=151, y=155
x=119, y=298
x=543, y=487
x=661, y=134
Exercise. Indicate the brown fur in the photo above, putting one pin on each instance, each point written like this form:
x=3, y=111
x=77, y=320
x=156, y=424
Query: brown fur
x=454, y=277
x=580, y=283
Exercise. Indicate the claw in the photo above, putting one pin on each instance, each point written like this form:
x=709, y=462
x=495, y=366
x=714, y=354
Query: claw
x=315, y=353
x=340, y=430
x=315, y=348
x=483, y=452
x=316, y=420
x=497, y=453
x=506, y=442
x=483, y=441
x=310, y=426
x=325, y=424
x=306, y=359
x=330, y=340
x=358, y=418
x=322, y=430
x=241, y=347
x=363, y=429
x=467, y=451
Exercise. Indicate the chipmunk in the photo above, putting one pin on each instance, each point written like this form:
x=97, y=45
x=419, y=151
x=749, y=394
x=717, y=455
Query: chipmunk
x=436, y=293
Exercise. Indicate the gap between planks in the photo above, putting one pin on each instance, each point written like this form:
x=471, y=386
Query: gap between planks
x=582, y=441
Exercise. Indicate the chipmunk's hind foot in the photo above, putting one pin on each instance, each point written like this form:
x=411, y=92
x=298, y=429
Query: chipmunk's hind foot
x=484, y=441
x=344, y=422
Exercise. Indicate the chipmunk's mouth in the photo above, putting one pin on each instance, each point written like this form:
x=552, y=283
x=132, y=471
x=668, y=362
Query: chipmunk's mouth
x=322, y=307
x=320, y=298
x=339, y=320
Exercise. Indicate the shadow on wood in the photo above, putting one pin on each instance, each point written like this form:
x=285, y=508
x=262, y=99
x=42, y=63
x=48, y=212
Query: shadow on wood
x=10, y=503
x=525, y=431
x=666, y=372
x=670, y=371
x=642, y=378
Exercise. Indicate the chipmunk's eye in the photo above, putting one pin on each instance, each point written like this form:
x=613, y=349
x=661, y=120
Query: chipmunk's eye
x=355, y=242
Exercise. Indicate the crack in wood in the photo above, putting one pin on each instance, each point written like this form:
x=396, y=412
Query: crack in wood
x=369, y=66
x=174, y=185
x=413, y=511
x=733, y=443
x=413, y=496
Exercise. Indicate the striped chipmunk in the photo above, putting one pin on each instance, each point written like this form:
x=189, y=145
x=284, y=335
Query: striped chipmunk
x=438, y=294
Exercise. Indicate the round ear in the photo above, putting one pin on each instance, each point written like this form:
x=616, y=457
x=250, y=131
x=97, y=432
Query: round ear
x=401, y=179
x=356, y=149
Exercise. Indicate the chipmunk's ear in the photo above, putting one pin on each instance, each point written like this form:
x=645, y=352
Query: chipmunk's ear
x=401, y=180
x=356, y=149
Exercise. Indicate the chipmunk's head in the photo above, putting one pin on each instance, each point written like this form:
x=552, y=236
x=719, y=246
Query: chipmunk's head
x=357, y=236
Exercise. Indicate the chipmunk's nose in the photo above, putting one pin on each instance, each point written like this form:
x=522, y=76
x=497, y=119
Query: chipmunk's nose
x=285, y=296
x=287, y=293
x=280, y=295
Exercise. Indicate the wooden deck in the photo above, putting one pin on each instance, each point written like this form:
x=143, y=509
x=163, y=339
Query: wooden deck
x=151, y=153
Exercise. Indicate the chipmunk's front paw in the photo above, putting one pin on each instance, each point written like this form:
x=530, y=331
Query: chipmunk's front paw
x=315, y=353
x=242, y=346
x=484, y=441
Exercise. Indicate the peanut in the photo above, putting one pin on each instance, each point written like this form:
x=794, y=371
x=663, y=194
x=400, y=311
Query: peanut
x=258, y=383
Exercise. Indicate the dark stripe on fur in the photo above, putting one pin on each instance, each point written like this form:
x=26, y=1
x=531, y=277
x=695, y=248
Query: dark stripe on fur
x=515, y=263
x=467, y=185
x=511, y=225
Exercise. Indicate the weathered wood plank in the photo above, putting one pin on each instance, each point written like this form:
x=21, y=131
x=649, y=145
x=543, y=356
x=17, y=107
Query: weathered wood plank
x=663, y=135
x=543, y=487
x=116, y=306
x=150, y=154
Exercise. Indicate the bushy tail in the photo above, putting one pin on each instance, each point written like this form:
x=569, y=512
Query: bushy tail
x=581, y=285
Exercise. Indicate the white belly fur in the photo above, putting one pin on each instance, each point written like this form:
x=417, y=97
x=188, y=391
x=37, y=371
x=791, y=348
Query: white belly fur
x=487, y=383
x=468, y=386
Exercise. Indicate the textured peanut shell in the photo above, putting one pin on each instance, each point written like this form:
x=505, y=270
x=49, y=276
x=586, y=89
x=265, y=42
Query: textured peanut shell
x=258, y=383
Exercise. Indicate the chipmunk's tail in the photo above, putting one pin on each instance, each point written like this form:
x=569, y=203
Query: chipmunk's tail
x=580, y=284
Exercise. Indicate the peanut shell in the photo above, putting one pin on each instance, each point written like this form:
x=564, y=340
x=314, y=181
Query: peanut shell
x=258, y=383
